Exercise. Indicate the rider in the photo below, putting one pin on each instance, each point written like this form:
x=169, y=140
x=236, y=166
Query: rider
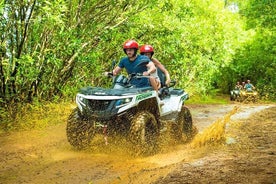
x=243, y=84
x=238, y=86
x=248, y=86
x=131, y=64
x=149, y=51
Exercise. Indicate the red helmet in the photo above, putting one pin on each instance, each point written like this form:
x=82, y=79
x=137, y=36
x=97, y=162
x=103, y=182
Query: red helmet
x=131, y=44
x=146, y=48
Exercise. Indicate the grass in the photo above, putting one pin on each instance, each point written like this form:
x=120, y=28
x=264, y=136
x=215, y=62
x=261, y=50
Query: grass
x=209, y=99
x=35, y=116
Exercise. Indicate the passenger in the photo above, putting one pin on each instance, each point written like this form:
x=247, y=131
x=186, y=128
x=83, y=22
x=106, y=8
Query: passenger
x=148, y=50
x=243, y=84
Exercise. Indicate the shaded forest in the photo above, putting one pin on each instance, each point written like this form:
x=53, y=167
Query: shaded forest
x=49, y=49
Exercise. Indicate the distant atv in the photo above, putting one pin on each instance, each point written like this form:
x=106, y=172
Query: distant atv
x=248, y=96
x=135, y=113
x=234, y=94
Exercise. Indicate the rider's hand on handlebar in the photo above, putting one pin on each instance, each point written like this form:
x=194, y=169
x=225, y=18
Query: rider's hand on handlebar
x=168, y=81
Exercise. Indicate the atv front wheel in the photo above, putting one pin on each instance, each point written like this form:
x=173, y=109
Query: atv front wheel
x=144, y=133
x=79, y=131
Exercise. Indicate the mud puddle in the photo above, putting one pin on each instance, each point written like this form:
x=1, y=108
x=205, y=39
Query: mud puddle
x=44, y=156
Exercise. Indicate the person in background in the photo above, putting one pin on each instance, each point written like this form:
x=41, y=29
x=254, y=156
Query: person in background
x=243, y=84
x=248, y=86
x=238, y=86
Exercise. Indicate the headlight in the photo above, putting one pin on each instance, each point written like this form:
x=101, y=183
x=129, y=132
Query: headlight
x=122, y=102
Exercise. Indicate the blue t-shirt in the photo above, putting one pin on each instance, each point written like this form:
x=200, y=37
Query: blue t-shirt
x=136, y=66
x=248, y=87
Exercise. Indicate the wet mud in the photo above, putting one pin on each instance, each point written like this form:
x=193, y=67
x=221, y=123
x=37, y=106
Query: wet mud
x=234, y=144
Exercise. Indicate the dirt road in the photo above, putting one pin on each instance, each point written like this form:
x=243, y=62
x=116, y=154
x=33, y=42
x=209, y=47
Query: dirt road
x=247, y=154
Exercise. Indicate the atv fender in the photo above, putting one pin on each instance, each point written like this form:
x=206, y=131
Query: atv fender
x=150, y=105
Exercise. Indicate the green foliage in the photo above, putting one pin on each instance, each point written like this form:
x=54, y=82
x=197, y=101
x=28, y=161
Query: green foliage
x=49, y=49
x=256, y=59
x=34, y=116
x=213, y=98
x=260, y=13
x=193, y=39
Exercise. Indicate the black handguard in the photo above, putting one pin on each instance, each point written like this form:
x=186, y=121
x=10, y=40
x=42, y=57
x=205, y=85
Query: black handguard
x=108, y=74
x=131, y=75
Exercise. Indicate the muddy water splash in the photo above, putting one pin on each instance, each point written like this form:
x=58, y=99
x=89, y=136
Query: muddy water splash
x=215, y=132
x=173, y=153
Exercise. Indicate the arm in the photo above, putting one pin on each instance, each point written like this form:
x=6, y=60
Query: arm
x=151, y=68
x=116, y=70
x=159, y=65
x=253, y=87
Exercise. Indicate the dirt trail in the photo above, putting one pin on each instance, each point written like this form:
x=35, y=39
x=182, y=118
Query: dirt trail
x=45, y=156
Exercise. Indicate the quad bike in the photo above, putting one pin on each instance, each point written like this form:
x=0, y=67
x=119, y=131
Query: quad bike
x=248, y=96
x=234, y=94
x=135, y=113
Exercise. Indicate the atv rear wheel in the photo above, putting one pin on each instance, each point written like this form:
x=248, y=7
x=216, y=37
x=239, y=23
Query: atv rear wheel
x=144, y=133
x=79, y=130
x=183, y=124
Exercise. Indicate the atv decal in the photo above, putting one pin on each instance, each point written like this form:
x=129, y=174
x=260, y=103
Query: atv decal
x=143, y=96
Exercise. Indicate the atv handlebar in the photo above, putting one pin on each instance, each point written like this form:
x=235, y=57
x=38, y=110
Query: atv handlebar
x=132, y=75
x=137, y=75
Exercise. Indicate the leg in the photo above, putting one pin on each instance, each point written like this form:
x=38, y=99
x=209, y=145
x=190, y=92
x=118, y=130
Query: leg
x=154, y=84
x=158, y=83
